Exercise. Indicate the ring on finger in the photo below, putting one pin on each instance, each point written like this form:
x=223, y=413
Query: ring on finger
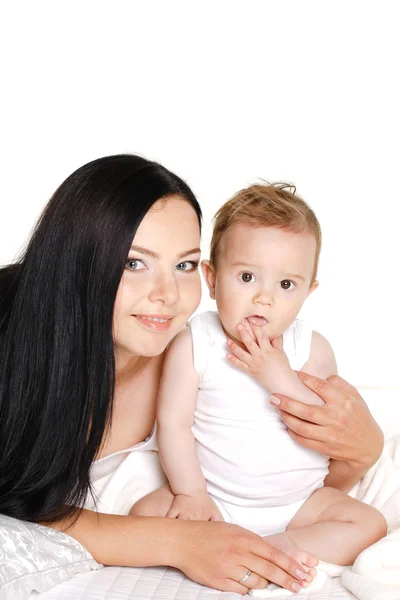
x=245, y=577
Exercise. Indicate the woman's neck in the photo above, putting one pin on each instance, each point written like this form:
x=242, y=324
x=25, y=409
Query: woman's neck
x=128, y=366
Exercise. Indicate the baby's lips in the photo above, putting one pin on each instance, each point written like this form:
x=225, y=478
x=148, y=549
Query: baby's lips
x=255, y=320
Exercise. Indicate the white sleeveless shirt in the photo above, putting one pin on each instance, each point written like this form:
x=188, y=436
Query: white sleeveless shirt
x=243, y=447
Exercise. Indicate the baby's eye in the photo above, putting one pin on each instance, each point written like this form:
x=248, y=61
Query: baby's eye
x=286, y=284
x=187, y=265
x=135, y=264
x=247, y=277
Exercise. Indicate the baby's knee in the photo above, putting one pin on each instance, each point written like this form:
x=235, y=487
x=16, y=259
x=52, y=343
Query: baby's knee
x=376, y=523
x=144, y=508
x=155, y=504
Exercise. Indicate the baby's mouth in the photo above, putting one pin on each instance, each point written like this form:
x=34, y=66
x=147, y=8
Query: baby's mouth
x=257, y=320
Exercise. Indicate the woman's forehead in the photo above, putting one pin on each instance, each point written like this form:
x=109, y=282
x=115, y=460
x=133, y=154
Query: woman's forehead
x=170, y=222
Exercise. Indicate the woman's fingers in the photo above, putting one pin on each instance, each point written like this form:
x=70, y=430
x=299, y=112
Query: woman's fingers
x=308, y=443
x=306, y=412
x=234, y=586
x=304, y=428
x=279, y=568
x=254, y=581
x=344, y=385
x=222, y=554
x=329, y=393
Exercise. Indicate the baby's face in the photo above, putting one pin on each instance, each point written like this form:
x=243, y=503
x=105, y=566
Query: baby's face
x=264, y=275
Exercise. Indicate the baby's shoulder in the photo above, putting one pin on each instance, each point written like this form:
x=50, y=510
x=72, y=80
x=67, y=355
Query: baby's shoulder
x=322, y=361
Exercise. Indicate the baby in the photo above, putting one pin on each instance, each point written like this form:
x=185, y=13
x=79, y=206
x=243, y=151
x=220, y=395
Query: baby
x=222, y=444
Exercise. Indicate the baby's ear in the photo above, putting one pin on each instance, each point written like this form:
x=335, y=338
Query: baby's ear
x=313, y=287
x=209, y=276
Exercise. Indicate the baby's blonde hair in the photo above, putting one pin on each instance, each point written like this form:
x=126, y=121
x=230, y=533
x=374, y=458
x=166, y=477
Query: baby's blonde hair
x=266, y=205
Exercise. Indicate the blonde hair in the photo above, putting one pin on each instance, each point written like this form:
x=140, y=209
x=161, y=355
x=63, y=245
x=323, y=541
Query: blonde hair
x=266, y=205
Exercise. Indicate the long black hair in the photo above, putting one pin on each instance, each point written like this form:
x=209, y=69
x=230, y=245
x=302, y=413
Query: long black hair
x=57, y=370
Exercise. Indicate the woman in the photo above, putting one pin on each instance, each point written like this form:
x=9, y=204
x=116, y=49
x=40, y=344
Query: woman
x=108, y=278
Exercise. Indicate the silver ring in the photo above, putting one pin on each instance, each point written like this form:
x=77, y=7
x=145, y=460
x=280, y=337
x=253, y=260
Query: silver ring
x=245, y=577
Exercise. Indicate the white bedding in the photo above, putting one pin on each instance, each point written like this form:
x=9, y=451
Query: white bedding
x=382, y=561
x=159, y=583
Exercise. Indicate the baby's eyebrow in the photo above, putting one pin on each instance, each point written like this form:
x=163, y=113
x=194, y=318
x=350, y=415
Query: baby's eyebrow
x=241, y=263
x=294, y=276
x=148, y=252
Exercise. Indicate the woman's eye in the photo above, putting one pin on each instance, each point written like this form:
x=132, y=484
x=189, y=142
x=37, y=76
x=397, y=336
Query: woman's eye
x=187, y=265
x=247, y=277
x=286, y=284
x=134, y=264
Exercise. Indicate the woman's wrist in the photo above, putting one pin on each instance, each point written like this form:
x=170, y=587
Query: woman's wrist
x=372, y=454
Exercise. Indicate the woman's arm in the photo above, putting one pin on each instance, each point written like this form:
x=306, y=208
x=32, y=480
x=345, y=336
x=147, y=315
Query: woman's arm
x=343, y=428
x=214, y=554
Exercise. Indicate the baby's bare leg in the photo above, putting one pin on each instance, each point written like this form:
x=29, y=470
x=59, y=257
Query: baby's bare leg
x=334, y=527
x=155, y=504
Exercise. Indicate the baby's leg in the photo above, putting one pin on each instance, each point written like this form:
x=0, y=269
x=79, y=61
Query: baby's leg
x=333, y=526
x=155, y=504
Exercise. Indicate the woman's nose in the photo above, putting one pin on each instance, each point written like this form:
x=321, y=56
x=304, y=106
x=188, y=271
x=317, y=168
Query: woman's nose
x=165, y=290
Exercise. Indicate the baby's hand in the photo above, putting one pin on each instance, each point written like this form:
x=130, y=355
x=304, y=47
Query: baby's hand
x=263, y=359
x=194, y=508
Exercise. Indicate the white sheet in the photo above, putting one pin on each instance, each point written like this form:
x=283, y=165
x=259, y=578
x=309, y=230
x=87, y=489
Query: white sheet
x=159, y=583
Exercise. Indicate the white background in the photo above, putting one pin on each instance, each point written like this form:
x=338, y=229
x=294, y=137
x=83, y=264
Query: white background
x=223, y=93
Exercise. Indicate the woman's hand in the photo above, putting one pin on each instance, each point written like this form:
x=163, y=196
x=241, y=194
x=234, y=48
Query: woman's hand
x=219, y=555
x=215, y=554
x=343, y=428
x=198, y=507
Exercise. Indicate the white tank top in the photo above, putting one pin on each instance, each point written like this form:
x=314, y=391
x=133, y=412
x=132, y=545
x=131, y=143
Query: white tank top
x=246, y=454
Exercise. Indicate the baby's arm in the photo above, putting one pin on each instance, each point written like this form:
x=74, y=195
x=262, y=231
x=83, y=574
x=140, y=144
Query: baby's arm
x=321, y=362
x=176, y=404
x=270, y=367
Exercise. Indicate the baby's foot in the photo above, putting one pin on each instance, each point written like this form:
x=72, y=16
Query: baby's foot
x=308, y=561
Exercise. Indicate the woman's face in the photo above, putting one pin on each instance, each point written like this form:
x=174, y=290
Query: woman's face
x=160, y=287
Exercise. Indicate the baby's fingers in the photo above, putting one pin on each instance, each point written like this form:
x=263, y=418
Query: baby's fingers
x=247, y=338
x=237, y=363
x=238, y=352
x=173, y=513
x=261, y=336
x=277, y=343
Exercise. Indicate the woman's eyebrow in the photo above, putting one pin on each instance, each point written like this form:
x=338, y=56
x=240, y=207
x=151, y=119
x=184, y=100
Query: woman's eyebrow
x=148, y=252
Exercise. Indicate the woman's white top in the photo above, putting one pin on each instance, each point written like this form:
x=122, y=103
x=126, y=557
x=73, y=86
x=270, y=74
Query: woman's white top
x=122, y=478
x=243, y=447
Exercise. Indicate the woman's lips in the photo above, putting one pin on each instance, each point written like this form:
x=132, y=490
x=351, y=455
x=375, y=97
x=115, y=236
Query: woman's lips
x=154, y=322
x=256, y=320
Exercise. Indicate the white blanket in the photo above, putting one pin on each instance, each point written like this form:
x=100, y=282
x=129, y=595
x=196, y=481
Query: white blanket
x=380, y=563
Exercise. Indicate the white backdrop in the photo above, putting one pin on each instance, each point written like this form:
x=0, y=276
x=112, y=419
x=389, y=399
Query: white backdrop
x=224, y=93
